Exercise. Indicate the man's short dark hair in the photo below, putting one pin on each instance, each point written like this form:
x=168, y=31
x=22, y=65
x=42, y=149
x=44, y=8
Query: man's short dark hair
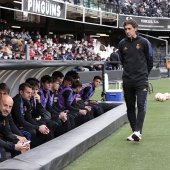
x=55, y=79
x=97, y=77
x=31, y=79
x=76, y=84
x=73, y=74
x=114, y=49
x=33, y=82
x=46, y=78
x=58, y=74
x=68, y=78
x=4, y=87
x=23, y=86
x=131, y=22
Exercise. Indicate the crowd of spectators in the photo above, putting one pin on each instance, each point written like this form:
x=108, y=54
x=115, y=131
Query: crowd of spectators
x=149, y=8
x=13, y=45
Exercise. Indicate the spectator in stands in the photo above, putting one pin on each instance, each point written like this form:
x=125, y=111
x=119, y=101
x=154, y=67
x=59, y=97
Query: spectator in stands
x=154, y=11
x=3, y=42
x=4, y=34
x=163, y=5
x=73, y=49
x=142, y=11
x=114, y=57
x=38, y=42
x=33, y=36
x=159, y=12
x=16, y=55
x=71, y=40
x=9, y=142
x=76, y=2
x=98, y=67
x=45, y=39
x=5, y=56
x=63, y=56
x=17, y=45
x=148, y=11
x=55, y=39
x=38, y=35
x=80, y=48
x=167, y=10
x=90, y=39
x=1, y=52
x=48, y=56
x=69, y=54
x=26, y=36
x=133, y=9
x=9, y=50
x=32, y=52
x=65, y=40
x=125, y=10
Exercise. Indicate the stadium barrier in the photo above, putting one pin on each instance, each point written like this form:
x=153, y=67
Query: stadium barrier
x=62, y=150
x=15, y=72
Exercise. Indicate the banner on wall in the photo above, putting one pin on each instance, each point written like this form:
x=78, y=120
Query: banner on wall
x=147, y=23
x=44, y=7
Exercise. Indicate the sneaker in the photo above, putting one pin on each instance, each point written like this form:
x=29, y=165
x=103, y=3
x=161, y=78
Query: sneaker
x=129, y=138
x=136, y=136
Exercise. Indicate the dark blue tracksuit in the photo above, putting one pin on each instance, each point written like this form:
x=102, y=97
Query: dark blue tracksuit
x=137, y=61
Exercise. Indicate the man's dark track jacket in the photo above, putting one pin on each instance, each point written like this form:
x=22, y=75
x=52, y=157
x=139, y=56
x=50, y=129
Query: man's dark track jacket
x=9, y=138
x=137, y=59
x=21, y=114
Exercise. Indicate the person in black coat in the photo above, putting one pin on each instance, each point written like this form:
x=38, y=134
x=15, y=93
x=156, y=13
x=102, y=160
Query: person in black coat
x=114, y=57
x=21, y=113
x=8, y=141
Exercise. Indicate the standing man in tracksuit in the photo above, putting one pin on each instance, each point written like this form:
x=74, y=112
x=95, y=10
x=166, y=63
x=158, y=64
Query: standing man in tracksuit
x=137, y=60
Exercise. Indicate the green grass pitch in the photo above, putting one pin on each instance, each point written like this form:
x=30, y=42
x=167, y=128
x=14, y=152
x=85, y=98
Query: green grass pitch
x=151, y=153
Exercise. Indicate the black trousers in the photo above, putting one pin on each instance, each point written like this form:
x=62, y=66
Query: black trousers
x=97, y=109
x=115, y=66
x=76, y=116
x=3, y=153
x=63, y=127
x=136, y=93
x=37, y=138
x=52, y=125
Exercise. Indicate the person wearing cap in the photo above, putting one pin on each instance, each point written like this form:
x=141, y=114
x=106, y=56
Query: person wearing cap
x=136, y=56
